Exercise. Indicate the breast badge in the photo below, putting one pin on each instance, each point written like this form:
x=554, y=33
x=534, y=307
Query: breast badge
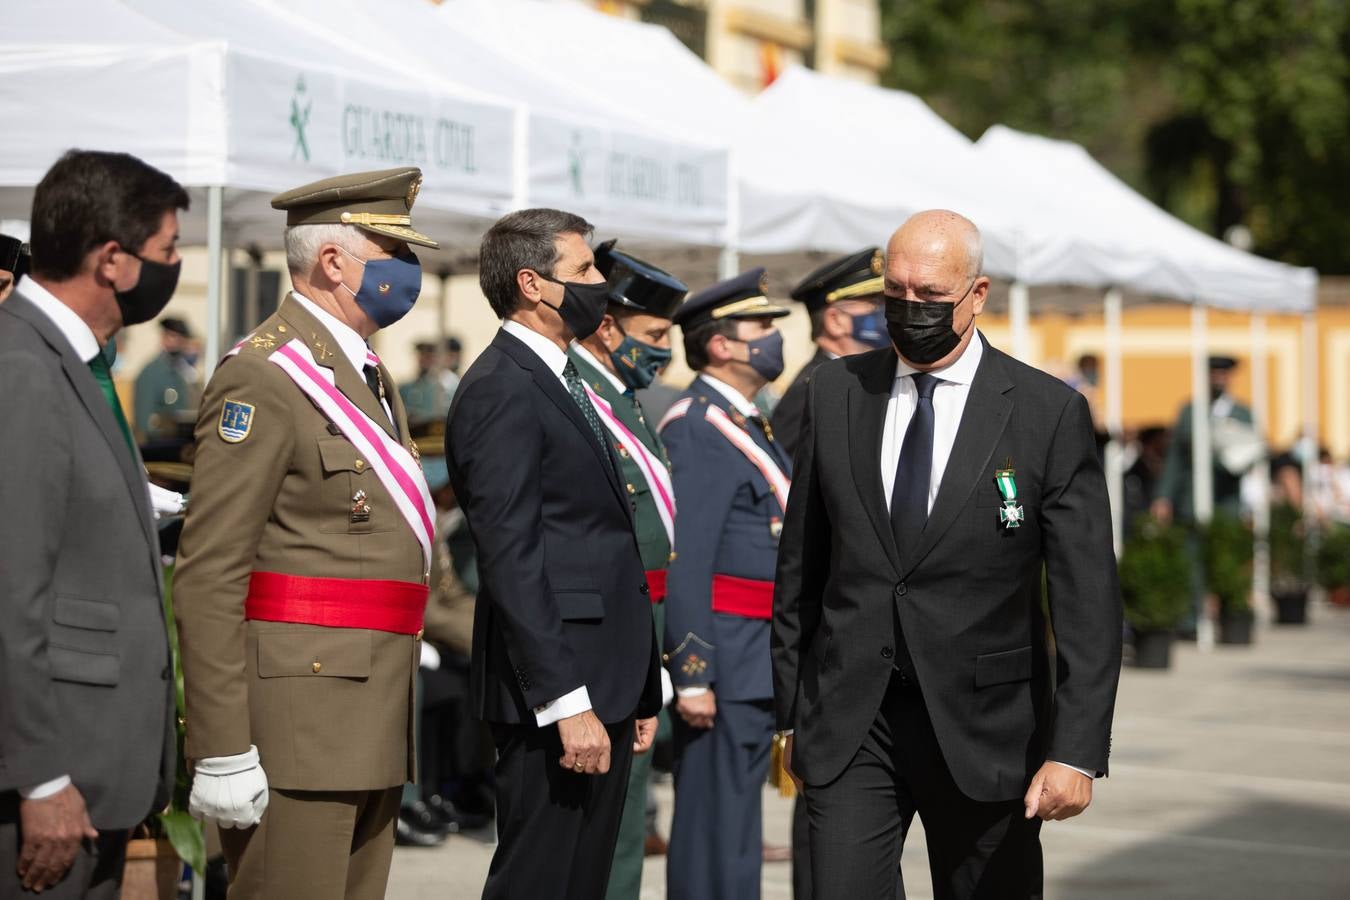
x=360, y=508
x=1010, y=514
x=236, y=421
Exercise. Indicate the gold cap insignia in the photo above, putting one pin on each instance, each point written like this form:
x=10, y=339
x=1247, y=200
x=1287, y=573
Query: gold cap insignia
x=878, y=262
x=413, y=187
x=764, y=283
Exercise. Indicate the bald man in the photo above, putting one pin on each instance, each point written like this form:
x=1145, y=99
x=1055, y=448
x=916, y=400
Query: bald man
x=935, y=481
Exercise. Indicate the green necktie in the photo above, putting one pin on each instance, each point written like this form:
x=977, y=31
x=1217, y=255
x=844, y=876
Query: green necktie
x=103, y=375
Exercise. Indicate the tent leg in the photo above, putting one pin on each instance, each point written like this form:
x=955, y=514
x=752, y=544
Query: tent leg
x=1114, y=383
x=1202, y=456
x=1261, y=473
x=215, y=220
x=1019, y=318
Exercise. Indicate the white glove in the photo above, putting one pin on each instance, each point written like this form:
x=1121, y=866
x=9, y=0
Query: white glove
x=165, y=502
x=667, y=687
x=431, y=657
x=230, y=791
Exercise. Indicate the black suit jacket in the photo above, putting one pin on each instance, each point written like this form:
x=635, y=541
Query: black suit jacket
x=966, y=591
x=787, y=415
x=563, y=596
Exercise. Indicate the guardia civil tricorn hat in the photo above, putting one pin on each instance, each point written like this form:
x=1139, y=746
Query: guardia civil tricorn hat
x=379, y=202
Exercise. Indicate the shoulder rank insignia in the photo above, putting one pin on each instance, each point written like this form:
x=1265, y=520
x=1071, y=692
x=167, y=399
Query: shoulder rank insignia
x=236, y=421
x=263, y=341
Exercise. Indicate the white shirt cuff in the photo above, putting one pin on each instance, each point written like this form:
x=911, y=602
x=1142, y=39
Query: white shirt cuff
x=1075, y=768
x=46, y=789
x=693, y=690
x=573, y=703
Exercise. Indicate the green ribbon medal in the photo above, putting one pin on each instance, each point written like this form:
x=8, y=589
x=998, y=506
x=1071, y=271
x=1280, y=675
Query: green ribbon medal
x=1010, y=514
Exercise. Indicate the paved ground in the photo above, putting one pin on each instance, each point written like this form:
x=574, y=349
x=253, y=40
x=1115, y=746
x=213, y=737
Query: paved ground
x=1230, y=779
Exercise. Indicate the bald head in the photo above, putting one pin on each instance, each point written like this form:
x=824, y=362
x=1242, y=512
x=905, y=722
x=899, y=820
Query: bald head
x=937, y=257
x=941, y=233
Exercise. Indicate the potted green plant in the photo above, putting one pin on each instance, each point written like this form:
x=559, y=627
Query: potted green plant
x=1155, y=586
x=1228, y=574
x=168, y=839
x=1288, y=580
x=1333, y=564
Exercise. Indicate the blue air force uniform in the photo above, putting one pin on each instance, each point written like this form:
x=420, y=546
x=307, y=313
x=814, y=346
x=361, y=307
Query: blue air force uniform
x=718, y=606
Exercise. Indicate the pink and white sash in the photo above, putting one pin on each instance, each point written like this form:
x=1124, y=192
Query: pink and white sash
x=758, y=456
x=395, y=467
x=653, y=468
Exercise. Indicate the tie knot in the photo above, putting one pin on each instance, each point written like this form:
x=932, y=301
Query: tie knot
x=925, y=384
x=570, y=370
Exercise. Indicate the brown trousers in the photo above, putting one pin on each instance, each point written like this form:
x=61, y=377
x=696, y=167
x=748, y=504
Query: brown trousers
x=315, y=845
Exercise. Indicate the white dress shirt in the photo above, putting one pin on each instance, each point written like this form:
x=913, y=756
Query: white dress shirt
x=352, y=345
x=575, y=702
x=949, y=405
x=81, y=337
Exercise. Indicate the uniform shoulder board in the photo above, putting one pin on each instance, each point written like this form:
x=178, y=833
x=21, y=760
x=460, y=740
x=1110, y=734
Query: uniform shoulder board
x=678, y=410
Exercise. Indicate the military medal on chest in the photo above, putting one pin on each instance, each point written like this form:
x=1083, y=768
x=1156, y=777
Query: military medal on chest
x=360, y=508
x=1010, y=514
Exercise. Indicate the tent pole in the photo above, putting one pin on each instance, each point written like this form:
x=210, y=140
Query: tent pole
x=1114, y=384
x=215, y=219
x=1261, y=573
x=1202, y=456
x=729, y=260
x=1019, y=319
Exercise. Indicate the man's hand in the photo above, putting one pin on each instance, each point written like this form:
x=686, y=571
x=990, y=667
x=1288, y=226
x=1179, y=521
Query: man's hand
x=699, y=710
x=646, y=735
x=1057, y=792
x=1162, y=510
x=52, y=829
x=230, y=791
x=787, y=762
x=585, y=744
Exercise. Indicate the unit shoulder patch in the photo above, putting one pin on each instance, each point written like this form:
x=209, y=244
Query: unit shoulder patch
x=236, y=421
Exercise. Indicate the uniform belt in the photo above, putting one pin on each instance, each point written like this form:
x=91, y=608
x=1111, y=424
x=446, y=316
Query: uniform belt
x=742, y=597
x=656, y=585
x=393, y=606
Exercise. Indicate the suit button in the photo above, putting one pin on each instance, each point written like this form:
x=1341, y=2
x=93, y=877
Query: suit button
x=318, y=667
x=164, y=674
x=901, y=589
x=418, y=636
x=645, y=589
x=887, y=652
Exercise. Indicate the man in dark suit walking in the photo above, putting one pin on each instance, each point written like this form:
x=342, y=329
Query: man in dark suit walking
x=565, y=660
x=931, y=492
x=86, y=698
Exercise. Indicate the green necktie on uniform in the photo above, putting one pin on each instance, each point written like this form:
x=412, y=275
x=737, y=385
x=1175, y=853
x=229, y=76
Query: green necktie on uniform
x=103, y=375
x=578, y=392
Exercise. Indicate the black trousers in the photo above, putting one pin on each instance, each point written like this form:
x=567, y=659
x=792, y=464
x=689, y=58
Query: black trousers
x=556, y=829
x=858, y=822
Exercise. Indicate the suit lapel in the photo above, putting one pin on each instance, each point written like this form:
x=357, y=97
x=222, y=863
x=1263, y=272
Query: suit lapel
x=328, y=353
x=867, y=400
x=553, y=388
x=91, y=397
x=986, y=415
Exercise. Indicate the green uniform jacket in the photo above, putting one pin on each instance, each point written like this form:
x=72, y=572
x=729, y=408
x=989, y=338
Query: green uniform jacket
x=653, y=542
x=1177, y=482
x=161, y=393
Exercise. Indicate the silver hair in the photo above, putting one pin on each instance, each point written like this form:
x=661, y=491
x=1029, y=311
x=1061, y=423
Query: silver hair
x=974, y=253
x=303, y=243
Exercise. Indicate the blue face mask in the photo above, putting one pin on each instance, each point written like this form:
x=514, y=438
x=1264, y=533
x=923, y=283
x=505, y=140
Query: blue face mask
x=766, y=354
x=389, y=287
x=638, y=363
x=870, y=330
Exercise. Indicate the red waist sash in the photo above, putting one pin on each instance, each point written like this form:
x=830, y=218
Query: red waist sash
x=393, y=606
x=742, y=597
x=656, y=585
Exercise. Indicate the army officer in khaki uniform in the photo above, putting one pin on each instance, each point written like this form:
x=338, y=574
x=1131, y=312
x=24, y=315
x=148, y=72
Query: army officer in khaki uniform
x=302, y=578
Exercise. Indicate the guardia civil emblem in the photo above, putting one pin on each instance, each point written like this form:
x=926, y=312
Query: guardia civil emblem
x=236, y=421
x=1010, y=514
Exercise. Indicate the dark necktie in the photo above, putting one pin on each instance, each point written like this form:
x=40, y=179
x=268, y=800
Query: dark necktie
x=578, y=391
x=375, y=382
x=103, y=375
x=913, y=474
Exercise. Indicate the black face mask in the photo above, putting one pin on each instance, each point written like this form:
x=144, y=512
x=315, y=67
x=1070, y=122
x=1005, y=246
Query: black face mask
x=922, y=329
x=583, y=305
x=152, y=292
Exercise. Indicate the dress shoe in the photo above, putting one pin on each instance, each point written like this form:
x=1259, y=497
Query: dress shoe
x=406, y=834
x=452, y=818
x=424, y=818
x=654, y=845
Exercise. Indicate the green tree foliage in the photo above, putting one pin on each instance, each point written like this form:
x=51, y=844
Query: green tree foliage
x=1223, y=111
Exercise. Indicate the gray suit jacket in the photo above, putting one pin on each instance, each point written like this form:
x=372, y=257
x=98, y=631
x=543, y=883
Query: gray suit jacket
x=85, y=686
